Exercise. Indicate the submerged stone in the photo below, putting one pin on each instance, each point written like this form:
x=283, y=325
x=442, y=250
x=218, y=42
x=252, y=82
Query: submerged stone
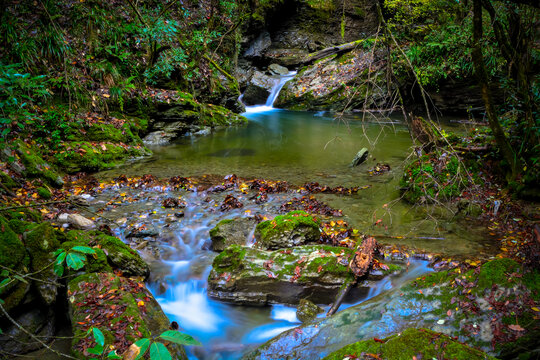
x=360, y=157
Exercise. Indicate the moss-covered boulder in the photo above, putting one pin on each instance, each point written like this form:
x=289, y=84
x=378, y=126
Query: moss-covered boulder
x=122, y=308
x=90, y=156
x=13, y=256
x=26, y=160
x=483, y=307
x=251, y=276
x=410, y=344
x=284, y=231
x=434, y=177
x=41, y=242
x=231, y=232
x=112, y=253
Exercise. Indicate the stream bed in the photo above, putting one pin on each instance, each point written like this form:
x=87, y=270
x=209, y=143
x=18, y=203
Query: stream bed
x=297, y=147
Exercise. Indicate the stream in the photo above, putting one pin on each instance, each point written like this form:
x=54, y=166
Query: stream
x=297, y=147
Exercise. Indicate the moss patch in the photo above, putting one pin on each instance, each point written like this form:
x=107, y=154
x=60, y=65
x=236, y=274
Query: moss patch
x=412, y=343
x=294, y=228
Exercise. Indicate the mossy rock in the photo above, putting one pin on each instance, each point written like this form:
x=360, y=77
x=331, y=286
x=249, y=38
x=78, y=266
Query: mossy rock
x=251, y=276
x=23, y=215
x=44, y=193
x=86, y=156
x=231, y=232
x=117, y=254
x=284, y=231
x=412, y=343
x=14, y=256
x=7, y=181
x=433, y=177
x=111, y=133
x=35, y=166
x=123, y=309
x=41, y=242
x=307, y=310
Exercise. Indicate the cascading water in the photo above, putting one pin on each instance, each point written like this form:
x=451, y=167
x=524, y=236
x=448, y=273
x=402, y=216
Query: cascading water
x=269, y=105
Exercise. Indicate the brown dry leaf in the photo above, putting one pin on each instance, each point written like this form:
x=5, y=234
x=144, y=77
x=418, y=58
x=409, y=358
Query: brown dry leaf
x=132, y=352
x=516, y=327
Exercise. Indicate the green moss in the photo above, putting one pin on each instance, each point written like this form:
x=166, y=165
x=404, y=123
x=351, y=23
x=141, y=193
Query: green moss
x=288, y=222
x=214, y=115
x=41, y=242
x=532, y=282
x=412, y=343
x=215, y=230
x=94, y=264
x=35, y=166
x=20, y=226
x=7, y=181
x=12, y=251
x=44, y=193
x=497, y=272
x=229, y=259
x=110, y=133
x=85, y=156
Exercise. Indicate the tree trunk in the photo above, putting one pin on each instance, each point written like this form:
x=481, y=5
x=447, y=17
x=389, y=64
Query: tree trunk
x=478, y=61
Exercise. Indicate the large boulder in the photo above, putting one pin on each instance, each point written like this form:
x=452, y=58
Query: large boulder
x=284, y=231
x=36, y=321
x=258, y=89
x=276, y=69
x=258, y=46
x=122, y=308
x=231, y=232
x=350, y=81
x=250, y=276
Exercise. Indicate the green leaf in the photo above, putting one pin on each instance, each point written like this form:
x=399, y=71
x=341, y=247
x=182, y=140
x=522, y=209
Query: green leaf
x=113, y=355
x=20, y=278
x=60, y=258
x=84, y=250
x=158, y=351
x=58, y=252
x=75, y=260
x=58, y=270
x=4, y=273
x=143, y=345
x=96, y=350
x=98, y=336
x=4, y=282
x=179, y=338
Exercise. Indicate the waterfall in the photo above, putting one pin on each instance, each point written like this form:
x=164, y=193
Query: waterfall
x=274, y=92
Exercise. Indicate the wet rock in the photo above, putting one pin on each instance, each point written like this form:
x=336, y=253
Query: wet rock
x=80, y=222
x=307, y=310
x=231, y=232
x=135, y=311
x=276, y=69
x=463, y=310
x=284, y=231
x=249, y=276
x=36, y=321
x=259, y=46
x=165, y=133
x=255, y=95
x=360, y=157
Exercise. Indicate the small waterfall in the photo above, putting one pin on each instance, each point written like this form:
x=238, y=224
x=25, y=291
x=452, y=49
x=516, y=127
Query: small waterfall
x=278, y=85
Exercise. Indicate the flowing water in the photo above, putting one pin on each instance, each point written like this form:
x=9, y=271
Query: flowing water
x=297, y=147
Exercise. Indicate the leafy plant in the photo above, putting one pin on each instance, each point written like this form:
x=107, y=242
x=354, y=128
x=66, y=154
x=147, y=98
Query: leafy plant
x=155, y=346
x=75, y=258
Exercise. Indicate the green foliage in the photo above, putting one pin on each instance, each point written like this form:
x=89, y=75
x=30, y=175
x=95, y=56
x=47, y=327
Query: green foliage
x=158, y=351
x=74, y=258
x=19, y=93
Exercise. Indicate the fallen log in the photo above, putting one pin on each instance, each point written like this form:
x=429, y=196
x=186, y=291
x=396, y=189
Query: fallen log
x=331, y=51
x=359, y=265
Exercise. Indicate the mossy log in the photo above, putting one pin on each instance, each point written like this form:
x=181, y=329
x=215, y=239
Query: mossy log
x=339, y=49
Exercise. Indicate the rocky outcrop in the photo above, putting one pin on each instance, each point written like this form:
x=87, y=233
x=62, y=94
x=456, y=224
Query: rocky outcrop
x=173, y=117
x=285, y=231
x=250, y=276
x=231, y=232
x=454, y=303
x=349, y=81
x=258, y=88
